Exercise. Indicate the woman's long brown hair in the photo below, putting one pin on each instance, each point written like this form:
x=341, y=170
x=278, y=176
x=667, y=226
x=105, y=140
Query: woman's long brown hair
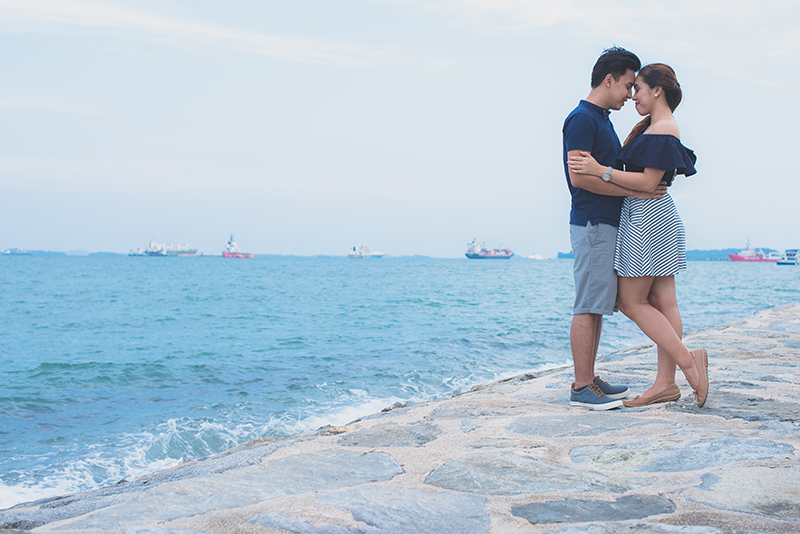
x=658, y=75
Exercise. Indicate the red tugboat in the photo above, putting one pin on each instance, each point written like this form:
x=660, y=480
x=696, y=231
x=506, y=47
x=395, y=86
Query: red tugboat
x=749, y=253
x=232, y=250
x=477, y=251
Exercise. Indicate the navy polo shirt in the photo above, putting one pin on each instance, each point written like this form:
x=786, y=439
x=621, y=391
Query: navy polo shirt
x=589, y=128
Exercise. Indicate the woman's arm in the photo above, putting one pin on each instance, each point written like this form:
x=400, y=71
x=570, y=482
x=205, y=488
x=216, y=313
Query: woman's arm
x=583, y=163
x=594, y=184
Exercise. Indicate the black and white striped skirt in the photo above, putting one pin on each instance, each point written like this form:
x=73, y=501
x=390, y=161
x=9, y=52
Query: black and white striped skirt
x=651, y=239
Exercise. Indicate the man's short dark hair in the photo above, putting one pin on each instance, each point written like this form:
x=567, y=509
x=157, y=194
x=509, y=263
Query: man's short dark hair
x=615, y=61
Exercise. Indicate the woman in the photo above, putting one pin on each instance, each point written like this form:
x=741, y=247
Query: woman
x=650, y=243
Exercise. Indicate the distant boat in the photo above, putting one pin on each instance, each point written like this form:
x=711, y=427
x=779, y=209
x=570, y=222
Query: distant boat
x=154, y=249
x=477, y=251
x=182, y=252
x=790, y=257
x=749, y=253
x=232, y=250
x=363, y=252
x=535, y=256
x=16, y=252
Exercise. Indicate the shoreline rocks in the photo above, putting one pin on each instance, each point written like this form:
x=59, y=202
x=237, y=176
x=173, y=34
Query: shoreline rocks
x=511, y=456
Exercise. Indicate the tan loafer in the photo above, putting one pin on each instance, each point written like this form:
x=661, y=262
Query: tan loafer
x=672, y=393
x=700, y=357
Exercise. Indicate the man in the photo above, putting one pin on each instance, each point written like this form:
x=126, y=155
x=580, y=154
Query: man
x=594, y=219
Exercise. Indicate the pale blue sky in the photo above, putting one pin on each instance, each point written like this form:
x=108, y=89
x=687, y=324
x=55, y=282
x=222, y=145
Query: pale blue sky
x=308, y=127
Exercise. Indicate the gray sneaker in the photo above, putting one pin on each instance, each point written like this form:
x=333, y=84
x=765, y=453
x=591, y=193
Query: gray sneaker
x=615, y=392
x=592, y=397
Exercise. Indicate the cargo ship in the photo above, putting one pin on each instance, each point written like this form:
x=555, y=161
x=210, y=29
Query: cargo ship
x=477, y=251
x=16, y=252
x=232, y=250
x=749, y=253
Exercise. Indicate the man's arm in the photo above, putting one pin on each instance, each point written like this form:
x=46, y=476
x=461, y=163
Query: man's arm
x=594, y=184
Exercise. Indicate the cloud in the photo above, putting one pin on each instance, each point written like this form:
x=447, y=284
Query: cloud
x=48, y=104
x=645, y=15
x=46, y=15
x=722, y=35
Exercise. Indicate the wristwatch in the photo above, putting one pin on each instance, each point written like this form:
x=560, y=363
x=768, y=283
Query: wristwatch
x=607, y=175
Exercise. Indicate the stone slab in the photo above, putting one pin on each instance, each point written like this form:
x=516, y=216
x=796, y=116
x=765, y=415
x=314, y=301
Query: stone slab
x=392, y=511
x=750, y=407
x=581, y=424
x=291, y=475
x=507, y=473
x=648, y=528
x=670, y=456
x=773, y=492
x=585, y=510
x=392, y=436
x=158, y=530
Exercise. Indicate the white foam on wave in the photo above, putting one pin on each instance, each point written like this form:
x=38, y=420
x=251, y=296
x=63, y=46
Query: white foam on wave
x=345, y=414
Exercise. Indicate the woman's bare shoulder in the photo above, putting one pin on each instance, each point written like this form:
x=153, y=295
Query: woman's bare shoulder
x=665, y=127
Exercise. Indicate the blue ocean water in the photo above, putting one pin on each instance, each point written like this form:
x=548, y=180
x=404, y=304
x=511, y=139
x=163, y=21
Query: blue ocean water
x=114, y=367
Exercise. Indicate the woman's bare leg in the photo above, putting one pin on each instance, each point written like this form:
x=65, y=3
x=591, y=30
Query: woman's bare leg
x=662, y=297
x=632, y=300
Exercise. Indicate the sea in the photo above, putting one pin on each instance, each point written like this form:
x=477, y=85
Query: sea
x=113, y=367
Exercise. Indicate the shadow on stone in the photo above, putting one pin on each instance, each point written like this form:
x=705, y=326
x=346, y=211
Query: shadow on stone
x=731, y=405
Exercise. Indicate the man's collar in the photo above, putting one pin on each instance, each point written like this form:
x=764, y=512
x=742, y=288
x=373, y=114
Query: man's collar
x=596, y=108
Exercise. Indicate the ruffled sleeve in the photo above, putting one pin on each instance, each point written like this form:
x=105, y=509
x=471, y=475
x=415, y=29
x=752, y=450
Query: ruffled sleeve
x=664, y=152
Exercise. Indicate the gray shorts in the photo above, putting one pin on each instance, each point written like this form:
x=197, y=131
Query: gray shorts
x=595, y=278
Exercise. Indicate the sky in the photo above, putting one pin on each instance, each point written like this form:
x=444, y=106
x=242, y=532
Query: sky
x=312, y=126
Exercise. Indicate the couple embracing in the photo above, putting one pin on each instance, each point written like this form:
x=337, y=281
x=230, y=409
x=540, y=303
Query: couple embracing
x=627, y=237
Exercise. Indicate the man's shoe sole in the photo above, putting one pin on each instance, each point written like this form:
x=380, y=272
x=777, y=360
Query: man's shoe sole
x=620, y=395
x=602, y=406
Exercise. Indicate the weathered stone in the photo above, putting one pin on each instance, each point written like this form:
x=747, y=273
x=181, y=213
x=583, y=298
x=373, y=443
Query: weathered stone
x=733, y=405
x=773, y=492
x=499, y=443
x=65, y=507
x=295, y=526
x=449, y=411
x=506, y=473
x=392, y=436
x=392, y=511
x=291, y=475
x=646, y=528
x=677, y=456
x=396, y=510
x=468, y=426
x=737, y=384
x=573, y=424
x=157, y=530
x=783, y=326
x=584, y=511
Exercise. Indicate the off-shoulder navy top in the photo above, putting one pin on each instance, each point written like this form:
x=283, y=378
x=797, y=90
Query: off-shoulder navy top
x=660, y=151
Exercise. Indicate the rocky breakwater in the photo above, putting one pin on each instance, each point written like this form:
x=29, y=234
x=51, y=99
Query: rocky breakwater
x=508, y=457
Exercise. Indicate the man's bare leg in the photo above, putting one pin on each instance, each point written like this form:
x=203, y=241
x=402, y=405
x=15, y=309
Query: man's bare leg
x=584, y=338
